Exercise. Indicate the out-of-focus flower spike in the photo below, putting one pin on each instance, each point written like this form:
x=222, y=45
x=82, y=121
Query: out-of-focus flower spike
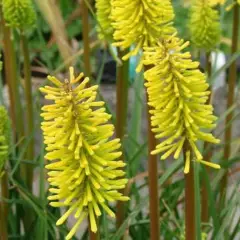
x=177, y=92
x=141, y=23
x=4, y=137
x=204, y=25
x=105, y=29
x=83, y=160
x=19, y=13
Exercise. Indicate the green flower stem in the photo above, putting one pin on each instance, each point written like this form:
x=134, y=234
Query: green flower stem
x=86, y=40
x=152, y=178
x=9, y=73
x=29, y=105
x=190, y=225
x=121, y=116
x=13, y=84
x=87, y=67
x=4, y=207
x=230, y=100
x=207, y=150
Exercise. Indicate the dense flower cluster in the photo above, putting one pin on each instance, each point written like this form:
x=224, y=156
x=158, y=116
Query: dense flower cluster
x=19, y=13
x=178, y=94
x=4, y=136
x=204, y=25
x=84, y=167
x=140, y=22
x=105, y=29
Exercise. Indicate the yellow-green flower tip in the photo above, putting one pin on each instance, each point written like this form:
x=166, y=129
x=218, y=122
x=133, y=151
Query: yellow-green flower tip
x=141, y=23
x=178, y=95
x=204, y=25
x=105, y=29
x=4, y=136
x=216, y=2
x=19, y=13
x=84, y=163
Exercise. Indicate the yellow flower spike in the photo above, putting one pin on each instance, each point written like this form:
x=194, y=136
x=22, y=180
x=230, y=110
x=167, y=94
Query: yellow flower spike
x=4, y=137
x=181, y=115
x=83, y=169
x=105, y=29
x=140, y=23
x=204, y=25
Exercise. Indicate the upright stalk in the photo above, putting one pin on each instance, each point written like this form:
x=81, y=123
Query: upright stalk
x=190, y=225
x=13, y=83
x=230, y=100
x=12, y=79
x=87, y=67
x=29, y=105
x=121, y=117
x=4, y=207
x=86, y=41
x=9, y=73
x=152, y=179
x=207, y=150
x=93, y=236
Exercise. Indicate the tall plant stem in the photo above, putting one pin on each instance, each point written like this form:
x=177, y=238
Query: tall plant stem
x=93, y=236
x=86, y=41
x=4, y=207
x=13, y=83
x=87, y=68
x=29, y=105
x=121, y=116
x=208, y=156
x=190, y=225
x=152, y=179
x=230, y=100
x=9, y=73
x=12, y=79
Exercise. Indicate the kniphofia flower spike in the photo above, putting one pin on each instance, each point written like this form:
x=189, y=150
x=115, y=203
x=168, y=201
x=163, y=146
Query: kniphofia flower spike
x=204, y=25
x=19, y=13
x=141, y=23
x=84, y=163
x=178, y=94
x=105, y=29
x=4, y=137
